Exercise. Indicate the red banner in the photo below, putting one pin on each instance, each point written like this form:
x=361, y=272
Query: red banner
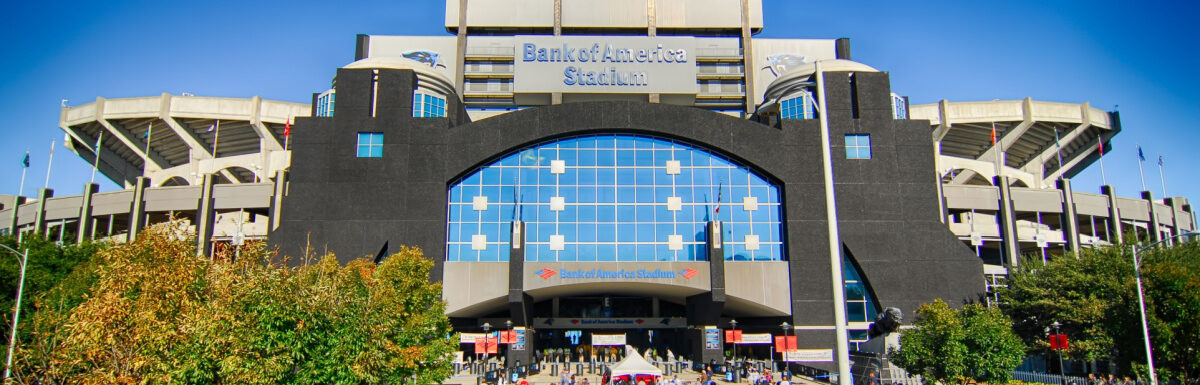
x=508, y=337
x=1059, y=342
x=783, y=343
x=486, y=345
x=733, y=336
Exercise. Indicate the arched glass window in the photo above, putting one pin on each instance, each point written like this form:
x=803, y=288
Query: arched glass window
x=860, y=305
x=613, y=198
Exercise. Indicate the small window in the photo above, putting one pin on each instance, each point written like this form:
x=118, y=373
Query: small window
x=370, y=145
x=858, y=146
x=799, y=107
x=428, y=106
x=899, y=107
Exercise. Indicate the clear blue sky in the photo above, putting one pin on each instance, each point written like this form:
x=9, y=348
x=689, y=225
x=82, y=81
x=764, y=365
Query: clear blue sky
x=1140, y=56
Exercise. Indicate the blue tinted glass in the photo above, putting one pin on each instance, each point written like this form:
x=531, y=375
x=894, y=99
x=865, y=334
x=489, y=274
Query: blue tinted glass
x=632, y=223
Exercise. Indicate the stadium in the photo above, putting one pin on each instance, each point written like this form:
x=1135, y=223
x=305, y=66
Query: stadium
x=645, y=175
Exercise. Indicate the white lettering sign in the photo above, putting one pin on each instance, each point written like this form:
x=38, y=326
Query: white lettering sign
x=608, y=340
x=750, y=339
x=604, y=64
x=808, y=355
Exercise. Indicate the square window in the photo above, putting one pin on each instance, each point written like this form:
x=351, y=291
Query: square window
x=858, y=146
x=370, y=145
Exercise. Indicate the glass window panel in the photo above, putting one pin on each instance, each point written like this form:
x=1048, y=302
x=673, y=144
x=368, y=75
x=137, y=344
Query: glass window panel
x=623, y=141
x=587, y=142
x=645, y=232
x=645, y=176
x=545, y=254
x=645, y=194
x=586, y=233
x=645, y=213
x=456, y=194
x=626, y=176
x=626, y=213
x=568, y=155
x=587, y=213
x=626, y=252
x=702, y=177
x=606, y=194
x=568, y=177
x=661, y=214
x=605, y=158
x=570, y=253
x=626, y=158
x=587, y=157
x=606, y=213
x=645, y=253
x=585, y=194
x=738, y=177
x=606, y=252
x=545, y=177
x=855, y=312
x=586, y=176
x=645, y=158
x=606, y=232
x=587, y=253
x=626, y=233
x=626, y=195
x=491, y=176
x=663, y=253
x=606, y=177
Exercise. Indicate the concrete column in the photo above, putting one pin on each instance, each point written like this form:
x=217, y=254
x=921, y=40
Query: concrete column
x=205, y=216
x=1010, y=247
x=461, y=47
x=1176, y=204
x=1070, y=222
x=86, y=225
x=277, y=199
x=1155, y=228
x=1114, y=214
x=747, y=56
x=39, y=222
x=943, y=213
x=520, y=305
x=137, y=208
x=705, y=309
x=16, y=208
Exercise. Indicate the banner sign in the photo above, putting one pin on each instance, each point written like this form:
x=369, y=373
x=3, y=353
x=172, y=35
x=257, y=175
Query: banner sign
x=486, y=345
x=518, y=338
x=468, y=338
x=808, y=355
x=608, y=340
x=733, y=336
x=785, y=343
x=610, y=323
x=751, y=339
x=507, y=337
x=712, y=338
x=604, y=64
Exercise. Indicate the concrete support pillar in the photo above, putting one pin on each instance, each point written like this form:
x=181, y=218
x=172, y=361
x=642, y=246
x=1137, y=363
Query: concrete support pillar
x=943, y=213
x=39, y=222
x=137, y=208
x=520, y=305
x=1154, y=226
x=16, y=208
x=1070, y=223
x=205, y=216
x=86, y=225
x=1114, y=214
x=1176, y=204
x=705, y=309
x=277, y=198
x=747, y=56
x=1010, y=247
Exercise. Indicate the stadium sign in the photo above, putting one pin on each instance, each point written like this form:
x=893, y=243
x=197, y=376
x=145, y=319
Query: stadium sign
x=604, y=64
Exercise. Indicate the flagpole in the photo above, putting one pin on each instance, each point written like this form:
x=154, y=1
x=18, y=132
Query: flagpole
x=49, y=163
x=1141, y=159
x=149, y=132
x=96, y=164
x=999, y=151
x=1103, y=179
x=24, y=168
x=1161, y=178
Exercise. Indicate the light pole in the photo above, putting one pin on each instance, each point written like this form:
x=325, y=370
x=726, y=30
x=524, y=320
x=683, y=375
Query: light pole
x=1062, y=372
x=785, y=326
x=1137, y=270
x=508, y=325
x=487, y=344
x=736, y=372
x=12, y=336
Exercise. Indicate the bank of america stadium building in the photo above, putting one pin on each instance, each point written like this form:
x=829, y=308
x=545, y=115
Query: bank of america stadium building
x=642, y=173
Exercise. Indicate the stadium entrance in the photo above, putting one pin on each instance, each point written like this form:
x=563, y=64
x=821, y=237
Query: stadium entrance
x=596, y=328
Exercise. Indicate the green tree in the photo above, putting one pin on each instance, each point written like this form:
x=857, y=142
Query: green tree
x=49, y=264
x=153, y=312
x=1094, y=296
x=959, y=345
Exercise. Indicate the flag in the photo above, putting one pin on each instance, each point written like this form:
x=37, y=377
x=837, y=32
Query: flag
x=1101, y=144
x=25, y=162
x=1141, y=157
x=212, y=127
x=287, y=127
x=1160, y=160
x=720, y=189
x=993, y=134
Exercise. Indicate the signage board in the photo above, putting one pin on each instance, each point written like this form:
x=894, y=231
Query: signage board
x=518, y=338
x=610, y=323
x=754, y=339
x=808, y=355
x=468, y=338
x=692, y=275
x=712, y=338
x=604, y=64
x=608, y=339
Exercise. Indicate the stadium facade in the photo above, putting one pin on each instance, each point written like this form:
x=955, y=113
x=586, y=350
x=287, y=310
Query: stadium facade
x=642, y=171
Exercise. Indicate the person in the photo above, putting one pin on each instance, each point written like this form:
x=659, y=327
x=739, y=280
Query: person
x=584, y=381
x=675, y=380
x=572, y=382
x=562, y=378
x=670, y=356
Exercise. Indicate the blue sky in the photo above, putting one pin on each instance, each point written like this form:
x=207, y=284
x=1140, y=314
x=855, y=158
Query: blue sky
x=1139, y=58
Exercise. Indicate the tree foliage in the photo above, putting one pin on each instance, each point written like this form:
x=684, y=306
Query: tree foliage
x=959, y=345
x=49, y=264
x=1094, y=296
x=155, y=313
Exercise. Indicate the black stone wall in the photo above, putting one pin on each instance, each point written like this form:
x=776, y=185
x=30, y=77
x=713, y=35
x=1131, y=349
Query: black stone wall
x=887, y=205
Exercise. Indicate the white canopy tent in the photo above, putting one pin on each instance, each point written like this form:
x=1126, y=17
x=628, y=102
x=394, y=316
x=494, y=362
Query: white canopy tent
x=634, y=365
